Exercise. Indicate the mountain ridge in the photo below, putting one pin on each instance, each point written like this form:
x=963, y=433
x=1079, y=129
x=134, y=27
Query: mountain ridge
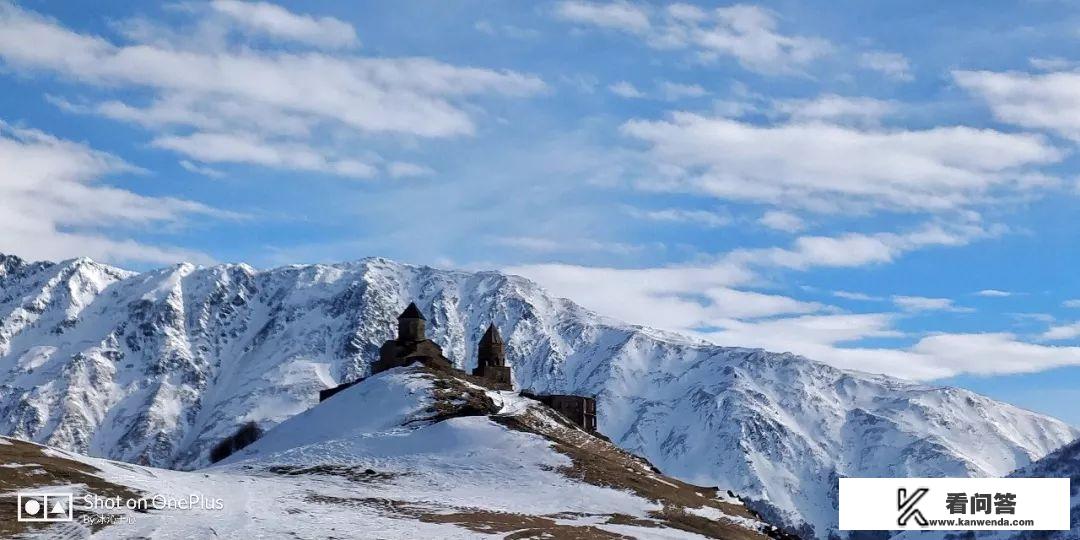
x=156, y=367
x=433, y=454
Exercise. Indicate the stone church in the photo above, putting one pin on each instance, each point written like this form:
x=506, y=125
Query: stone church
x=491, y=361
x=412, y=345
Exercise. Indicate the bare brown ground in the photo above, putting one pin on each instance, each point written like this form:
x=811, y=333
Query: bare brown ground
x=38, y=471
x=353, y=474
x=599, y=462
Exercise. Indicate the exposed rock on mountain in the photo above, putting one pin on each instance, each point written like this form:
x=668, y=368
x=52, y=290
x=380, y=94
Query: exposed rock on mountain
x=1063, y=463
x=157, y=367
x=412, y=452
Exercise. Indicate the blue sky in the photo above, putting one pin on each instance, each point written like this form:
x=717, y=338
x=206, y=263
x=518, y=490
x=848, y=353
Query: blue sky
x=889, y=188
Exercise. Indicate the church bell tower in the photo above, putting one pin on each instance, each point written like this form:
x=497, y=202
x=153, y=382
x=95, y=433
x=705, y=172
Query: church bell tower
x=411, y=324
x=491, y=360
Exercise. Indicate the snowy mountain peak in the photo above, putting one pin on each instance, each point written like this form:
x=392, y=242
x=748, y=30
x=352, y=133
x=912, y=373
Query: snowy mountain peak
x=158, y=367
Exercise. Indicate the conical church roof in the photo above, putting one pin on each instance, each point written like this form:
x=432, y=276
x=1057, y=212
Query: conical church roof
x=412, y=312
x=492, y=335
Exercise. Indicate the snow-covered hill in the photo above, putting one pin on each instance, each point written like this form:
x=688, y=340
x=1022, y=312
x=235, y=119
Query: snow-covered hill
x=155, y=368
x=409, y=453
x=1063, y=463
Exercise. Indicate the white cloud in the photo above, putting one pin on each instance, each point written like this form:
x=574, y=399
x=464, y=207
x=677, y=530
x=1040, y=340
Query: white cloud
x=993, y=353
x=401, y=169
x=1048, y=101
x=278, y=22
x=922, y=303
x=199, y=169
x=202, y=85
x=586, y=83
x=744, y=32
x=190, y=110
x=782, y=221
x=1072, y=303
x=551, y=245
x=675, y=298
x=747, y=33
x=676, y=215
x=819, y=337
x=1039, y=317
x=830, y=168
x=835, y=109
x=53, y=206
x=626, y=90
x=667, y=90
x=675, y=91
x=1062, y=332
x=506, y=30
x=1053, y=64
x=833, y=339
x=893, y=65
x=741, y=304
x=856, y=249
x=994, y=293
x=612, y=15
x=235, y=148
x=681, y=287
x=862, y=297
x=820, y=329
x=710, y=301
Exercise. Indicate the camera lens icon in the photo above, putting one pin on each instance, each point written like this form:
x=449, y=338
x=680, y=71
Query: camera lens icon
x=32, y=507
x=45, y=507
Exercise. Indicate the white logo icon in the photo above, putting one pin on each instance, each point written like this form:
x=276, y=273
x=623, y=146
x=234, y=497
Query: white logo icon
x=48, y=507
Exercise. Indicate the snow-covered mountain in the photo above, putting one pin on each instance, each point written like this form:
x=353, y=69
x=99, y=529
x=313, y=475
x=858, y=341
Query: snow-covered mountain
x=156, y=367
x=434, y=456
x=1063, y=463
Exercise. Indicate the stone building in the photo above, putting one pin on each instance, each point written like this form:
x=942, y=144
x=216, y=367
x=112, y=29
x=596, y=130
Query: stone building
x=491, y=361
x=580, y=410
x=329, y=392
x=411, y=345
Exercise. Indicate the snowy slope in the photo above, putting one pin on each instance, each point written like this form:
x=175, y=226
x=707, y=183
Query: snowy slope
x=394, y=472
x=1063, y=463
x=155, y=368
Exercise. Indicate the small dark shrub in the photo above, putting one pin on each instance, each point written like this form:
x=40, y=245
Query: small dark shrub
x=247, y=434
